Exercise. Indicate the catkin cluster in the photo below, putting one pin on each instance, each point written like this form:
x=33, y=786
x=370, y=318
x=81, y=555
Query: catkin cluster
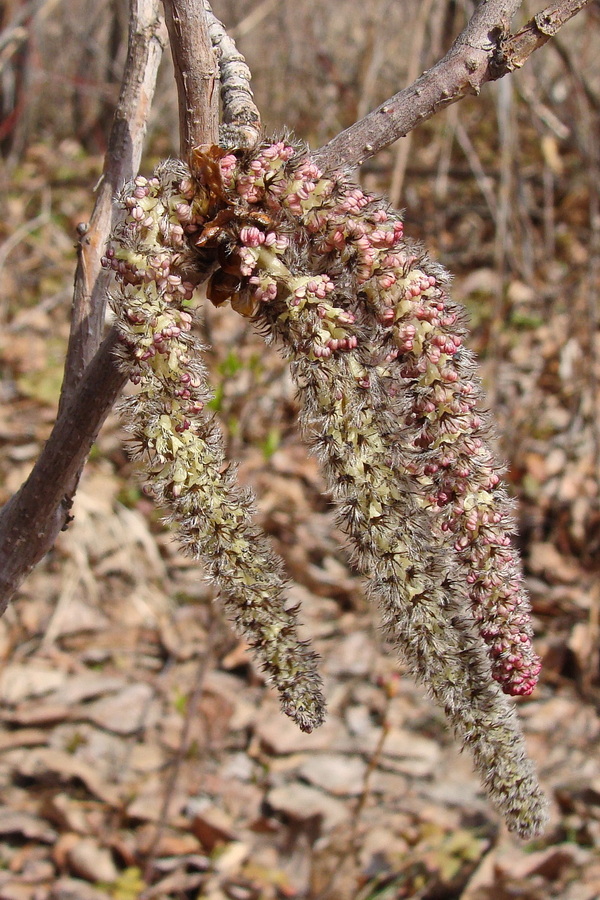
x=390, y=402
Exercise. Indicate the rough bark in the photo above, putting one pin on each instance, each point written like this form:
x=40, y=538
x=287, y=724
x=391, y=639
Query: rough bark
x=147, y=38
x=195, y=74
x=240, y=115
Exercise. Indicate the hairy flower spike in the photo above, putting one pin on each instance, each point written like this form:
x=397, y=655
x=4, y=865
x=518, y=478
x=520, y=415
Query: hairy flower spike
x=391, y=404
x=157, y=277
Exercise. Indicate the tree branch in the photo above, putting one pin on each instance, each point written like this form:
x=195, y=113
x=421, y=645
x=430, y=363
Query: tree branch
x=31, y=521
x=195, y=74
x=147, y=39
x=515, y=50
x=240, y=114
x=484, y=51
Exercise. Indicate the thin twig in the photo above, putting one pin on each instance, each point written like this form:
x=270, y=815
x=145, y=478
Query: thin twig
x=516, y=49
x=204, y=665
x=504, y=100
x=445, y=156
x=26, y=229
x=484, y=181
x=253, y=18
x=414, y=66
x=349, y=849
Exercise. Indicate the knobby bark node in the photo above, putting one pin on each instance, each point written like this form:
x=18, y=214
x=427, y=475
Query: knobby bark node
x=240, y=117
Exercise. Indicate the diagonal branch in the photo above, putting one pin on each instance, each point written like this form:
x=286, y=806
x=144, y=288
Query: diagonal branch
x=484, y=51
x=147, y=39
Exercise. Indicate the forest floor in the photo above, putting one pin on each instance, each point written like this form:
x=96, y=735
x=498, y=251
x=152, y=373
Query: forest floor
x=141, y=753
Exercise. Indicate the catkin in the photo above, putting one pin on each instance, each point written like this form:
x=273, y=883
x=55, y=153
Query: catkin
x=183, y=447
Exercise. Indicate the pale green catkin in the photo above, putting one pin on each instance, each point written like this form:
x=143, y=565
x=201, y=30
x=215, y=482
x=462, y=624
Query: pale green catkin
x=186, y=466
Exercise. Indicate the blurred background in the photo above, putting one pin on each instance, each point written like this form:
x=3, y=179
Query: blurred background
x=114, y=656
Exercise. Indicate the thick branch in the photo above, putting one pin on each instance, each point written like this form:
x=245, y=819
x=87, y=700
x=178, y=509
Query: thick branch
x=195, y=74
x=481, y=53
x=31, y=521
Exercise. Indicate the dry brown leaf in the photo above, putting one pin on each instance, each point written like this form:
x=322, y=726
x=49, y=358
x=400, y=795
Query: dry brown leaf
x=88, y=859
x=545, y=560
x=212, y=826
x=22, y=681
x=300, y=803
x=335, y=773
x=126, y=712
x=28, y=826
x=45, y=762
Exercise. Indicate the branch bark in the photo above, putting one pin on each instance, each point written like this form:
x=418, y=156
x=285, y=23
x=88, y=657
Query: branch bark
x=195, y=74
x=484, y=51
x=147, y=39
x=241, y=118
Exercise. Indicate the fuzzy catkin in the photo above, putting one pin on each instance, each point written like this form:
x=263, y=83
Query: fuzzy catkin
x=408, y=574
x=391, y=405
x=186, y=467
x=348, y=261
